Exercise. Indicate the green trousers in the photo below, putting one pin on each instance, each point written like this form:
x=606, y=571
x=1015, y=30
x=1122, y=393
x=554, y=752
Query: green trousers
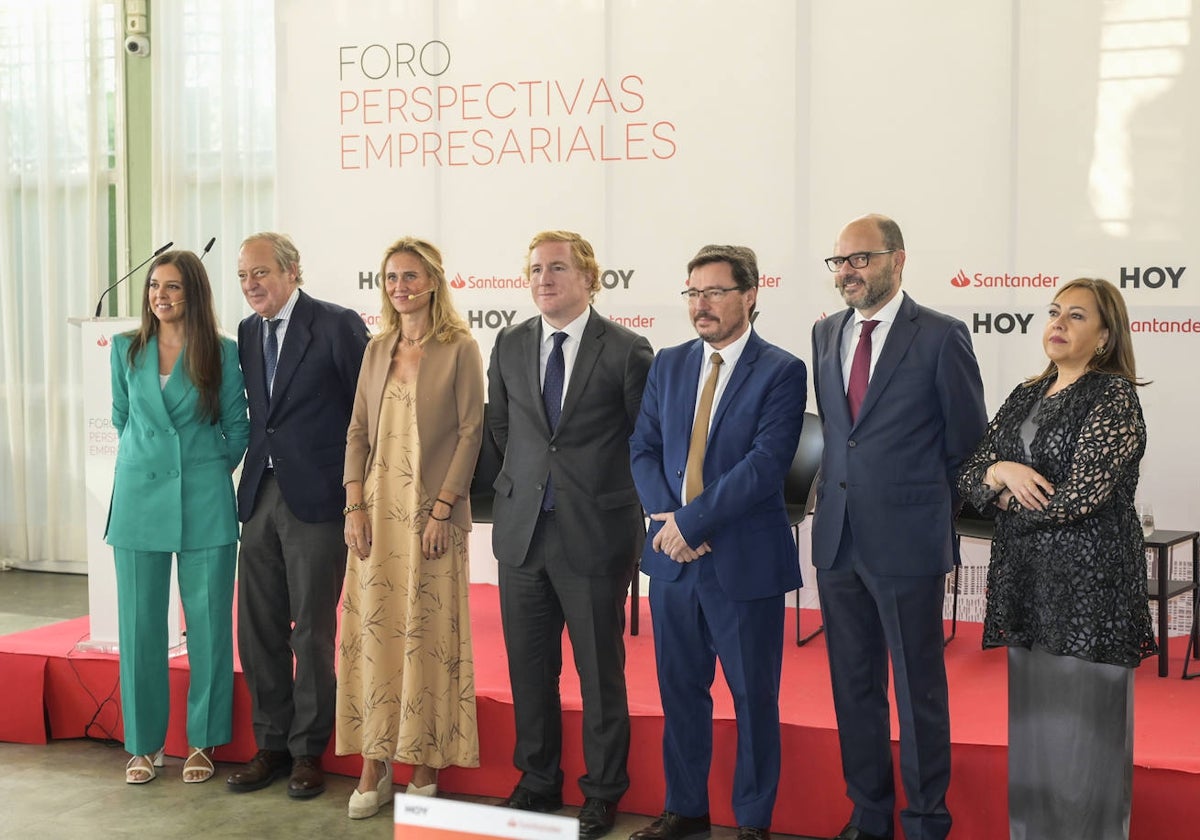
x=143, y=590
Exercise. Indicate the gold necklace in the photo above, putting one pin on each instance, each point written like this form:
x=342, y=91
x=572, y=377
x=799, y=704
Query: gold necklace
x=413, y=342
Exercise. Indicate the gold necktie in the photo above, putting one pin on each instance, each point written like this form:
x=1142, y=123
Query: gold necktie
x=695, y=460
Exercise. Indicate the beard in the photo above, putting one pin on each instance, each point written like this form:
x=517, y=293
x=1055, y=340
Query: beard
x=874, y=290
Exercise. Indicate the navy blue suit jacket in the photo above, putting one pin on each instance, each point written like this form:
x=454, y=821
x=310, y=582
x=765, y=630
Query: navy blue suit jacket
x=303, y=427
x=752, y=440
x=893, y=471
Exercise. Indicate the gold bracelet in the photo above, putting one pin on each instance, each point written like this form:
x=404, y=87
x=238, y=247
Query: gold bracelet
x=351, y=508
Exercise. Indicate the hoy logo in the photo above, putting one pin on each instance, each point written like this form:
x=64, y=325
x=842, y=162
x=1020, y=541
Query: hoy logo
x=491, y=318
x=1152, y=277
x=369, y=279
x=1001, y=322
x=614, y=278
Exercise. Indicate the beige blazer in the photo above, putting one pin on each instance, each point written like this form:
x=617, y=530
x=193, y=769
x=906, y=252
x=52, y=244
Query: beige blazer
x=449, y=416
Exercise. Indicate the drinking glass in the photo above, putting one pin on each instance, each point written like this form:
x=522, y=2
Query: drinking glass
x=1146, y=517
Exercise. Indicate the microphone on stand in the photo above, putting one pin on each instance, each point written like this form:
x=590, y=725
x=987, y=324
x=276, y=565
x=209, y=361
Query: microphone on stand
x=207, y=248
x=130, y=274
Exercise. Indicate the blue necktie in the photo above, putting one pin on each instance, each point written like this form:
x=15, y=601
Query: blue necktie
x=272, y=351
x=552, y=391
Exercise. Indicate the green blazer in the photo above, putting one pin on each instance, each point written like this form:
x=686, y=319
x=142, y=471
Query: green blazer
x=173, y=488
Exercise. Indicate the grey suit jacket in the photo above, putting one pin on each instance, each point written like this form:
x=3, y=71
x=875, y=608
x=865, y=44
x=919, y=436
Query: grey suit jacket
x=595, y=499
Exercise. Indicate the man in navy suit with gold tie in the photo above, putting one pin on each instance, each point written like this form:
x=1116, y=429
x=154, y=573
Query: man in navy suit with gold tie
x=719, y=423
x=901, y=405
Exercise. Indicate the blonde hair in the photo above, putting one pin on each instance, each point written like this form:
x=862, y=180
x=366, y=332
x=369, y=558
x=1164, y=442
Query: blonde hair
x=582, y=255
x=447, y=323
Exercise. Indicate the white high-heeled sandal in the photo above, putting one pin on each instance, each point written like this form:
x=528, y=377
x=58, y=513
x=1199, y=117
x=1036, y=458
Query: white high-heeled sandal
x=200, y=764
x=143, y=765
x=363, y=805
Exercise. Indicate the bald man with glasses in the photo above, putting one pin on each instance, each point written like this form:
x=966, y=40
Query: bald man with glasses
x=901, y=405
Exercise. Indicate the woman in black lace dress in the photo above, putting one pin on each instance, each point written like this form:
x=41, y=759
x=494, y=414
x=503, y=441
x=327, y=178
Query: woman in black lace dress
x=1058, y=467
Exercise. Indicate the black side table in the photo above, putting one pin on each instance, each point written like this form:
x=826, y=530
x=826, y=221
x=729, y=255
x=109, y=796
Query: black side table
x=1162, y=589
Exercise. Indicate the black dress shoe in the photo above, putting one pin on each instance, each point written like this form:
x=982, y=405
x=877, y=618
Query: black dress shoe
x=308, y=779
x=596, y=818
x=672, y=826
x=260, y=771
x=749, y=832
x=524, y=799
x=852, y=832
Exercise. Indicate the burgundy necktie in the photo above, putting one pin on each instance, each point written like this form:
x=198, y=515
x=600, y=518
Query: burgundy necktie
x=860, y=370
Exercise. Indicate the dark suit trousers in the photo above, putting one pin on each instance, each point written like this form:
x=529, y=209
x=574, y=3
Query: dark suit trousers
x=867, y=617
x=536, y=600
x=695, y=623
x=289, y=573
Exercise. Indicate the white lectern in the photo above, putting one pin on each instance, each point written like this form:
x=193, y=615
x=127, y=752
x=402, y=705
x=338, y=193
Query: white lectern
x=99, y=461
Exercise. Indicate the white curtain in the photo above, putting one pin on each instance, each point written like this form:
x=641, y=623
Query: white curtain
x=213, y=147
x=213, y=94
x=58, y=70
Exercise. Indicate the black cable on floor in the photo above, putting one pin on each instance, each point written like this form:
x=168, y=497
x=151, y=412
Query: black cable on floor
x=109, y=740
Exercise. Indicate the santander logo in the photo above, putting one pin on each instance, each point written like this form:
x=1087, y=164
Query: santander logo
x=980, y=280
x=458, y=282
x=102, y=341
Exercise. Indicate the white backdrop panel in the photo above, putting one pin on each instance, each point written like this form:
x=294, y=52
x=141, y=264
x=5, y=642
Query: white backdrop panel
x=649, y=128
x=1019, y=144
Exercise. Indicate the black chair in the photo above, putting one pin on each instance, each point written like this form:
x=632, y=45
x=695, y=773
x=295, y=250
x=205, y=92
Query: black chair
x=799, y=492
x=486, y=470
x=969, y=523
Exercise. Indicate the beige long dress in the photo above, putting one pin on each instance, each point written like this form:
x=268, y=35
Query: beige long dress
x=406, y=677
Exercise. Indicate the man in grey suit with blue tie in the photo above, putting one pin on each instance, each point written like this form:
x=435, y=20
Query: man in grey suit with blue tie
x=564, y=390
x=901, y=403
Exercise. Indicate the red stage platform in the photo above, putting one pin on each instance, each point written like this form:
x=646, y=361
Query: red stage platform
x=47, y=690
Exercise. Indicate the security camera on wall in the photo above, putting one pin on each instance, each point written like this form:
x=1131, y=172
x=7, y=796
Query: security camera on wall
x=138, y=45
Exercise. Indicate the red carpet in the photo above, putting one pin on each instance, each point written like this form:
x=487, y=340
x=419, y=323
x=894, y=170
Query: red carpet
x=47, y=690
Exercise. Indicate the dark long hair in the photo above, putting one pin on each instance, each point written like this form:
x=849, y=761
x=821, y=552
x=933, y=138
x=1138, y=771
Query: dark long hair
x=202, y=340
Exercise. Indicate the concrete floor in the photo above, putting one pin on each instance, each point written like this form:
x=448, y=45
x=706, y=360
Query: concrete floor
x=76, y=788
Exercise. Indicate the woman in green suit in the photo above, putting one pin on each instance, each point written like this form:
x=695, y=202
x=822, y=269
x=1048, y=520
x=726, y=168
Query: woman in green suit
x=179, y=404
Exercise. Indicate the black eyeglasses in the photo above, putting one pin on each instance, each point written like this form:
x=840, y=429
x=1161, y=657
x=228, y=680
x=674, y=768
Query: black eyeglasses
x=858, y=260
x=711, y=295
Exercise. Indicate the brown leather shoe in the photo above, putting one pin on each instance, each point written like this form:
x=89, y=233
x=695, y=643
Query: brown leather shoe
x=308, y=779
x=672, y=826
x=260, y=771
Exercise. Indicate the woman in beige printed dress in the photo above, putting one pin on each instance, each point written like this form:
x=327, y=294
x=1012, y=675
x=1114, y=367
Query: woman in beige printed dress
x=406, y=678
